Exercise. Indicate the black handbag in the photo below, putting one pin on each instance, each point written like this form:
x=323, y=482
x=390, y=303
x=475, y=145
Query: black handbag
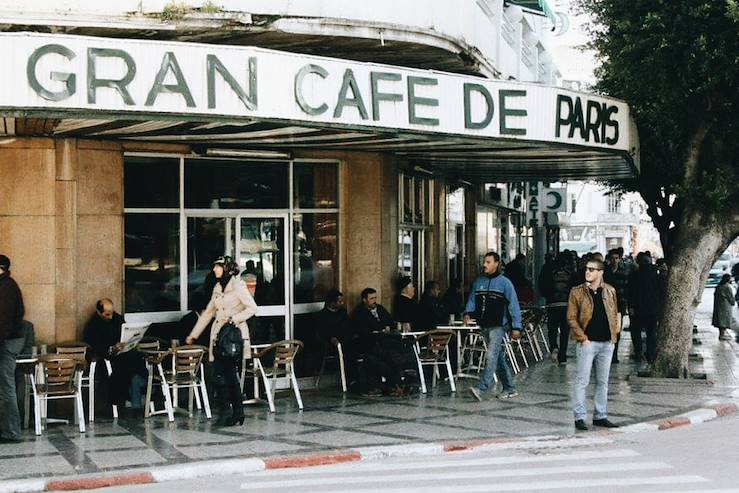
x=229, y=343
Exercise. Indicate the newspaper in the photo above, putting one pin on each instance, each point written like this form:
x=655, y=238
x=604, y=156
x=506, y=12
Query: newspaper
x=131, y=335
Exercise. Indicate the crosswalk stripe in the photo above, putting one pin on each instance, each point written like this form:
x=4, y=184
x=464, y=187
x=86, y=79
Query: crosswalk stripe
x=457, y=462
x=489, y=487
x=425, y=476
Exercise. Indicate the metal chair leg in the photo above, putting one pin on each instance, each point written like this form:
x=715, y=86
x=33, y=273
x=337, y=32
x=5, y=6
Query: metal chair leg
x=341, y=367
x=421, y=376
x=296, y=389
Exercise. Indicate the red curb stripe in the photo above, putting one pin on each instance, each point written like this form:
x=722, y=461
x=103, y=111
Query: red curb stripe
x=312, y=460
x=673, y=423
x=459, y=446
x=99, y=482
x=725, y=409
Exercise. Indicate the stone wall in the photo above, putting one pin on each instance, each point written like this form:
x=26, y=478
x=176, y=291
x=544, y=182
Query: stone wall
x=61, y=223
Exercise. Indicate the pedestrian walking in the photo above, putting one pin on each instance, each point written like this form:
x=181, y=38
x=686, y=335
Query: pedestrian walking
x=592, y=313
x=230, y=303
x=494, y=304
x=723, y=304
x=11, y=344
x=555, y=286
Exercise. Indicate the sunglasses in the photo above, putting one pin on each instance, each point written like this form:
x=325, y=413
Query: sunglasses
x=591, y=269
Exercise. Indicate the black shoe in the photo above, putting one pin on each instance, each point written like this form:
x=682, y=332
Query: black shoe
x=10, y=440
x=580, y=425
x=234, y=420
x=604, y=423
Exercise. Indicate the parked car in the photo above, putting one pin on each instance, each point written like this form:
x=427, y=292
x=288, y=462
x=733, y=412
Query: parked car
x=719, y=268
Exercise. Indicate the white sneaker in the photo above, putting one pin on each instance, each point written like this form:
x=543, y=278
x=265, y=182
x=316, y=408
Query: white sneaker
x=507, y=395
x=476, y=393
x=553, y=355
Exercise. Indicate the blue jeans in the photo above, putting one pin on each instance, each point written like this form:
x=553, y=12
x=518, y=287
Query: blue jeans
x=10, y=421
x=496, y=361
x=600, y=353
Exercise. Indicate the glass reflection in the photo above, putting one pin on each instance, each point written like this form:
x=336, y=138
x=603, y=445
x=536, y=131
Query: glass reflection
x=151, y=260
x=316, y=256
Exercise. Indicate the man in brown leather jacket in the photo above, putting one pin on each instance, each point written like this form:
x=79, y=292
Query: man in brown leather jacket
x=594, y=320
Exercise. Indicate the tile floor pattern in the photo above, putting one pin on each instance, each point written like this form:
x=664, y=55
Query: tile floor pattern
x=332, y=421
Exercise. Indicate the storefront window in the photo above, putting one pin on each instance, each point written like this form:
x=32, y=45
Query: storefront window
x=151, y=182
x=152, y=269
x=227, y=184
x=315, y=186
x=316, y=255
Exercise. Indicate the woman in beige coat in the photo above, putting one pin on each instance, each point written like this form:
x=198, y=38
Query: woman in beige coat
x=230, y=302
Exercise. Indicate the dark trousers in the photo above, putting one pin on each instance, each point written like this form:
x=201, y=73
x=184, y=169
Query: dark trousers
x=373, y=369
x=648, y=324
x=125, y=366
x=10, y=421
x=559, y=331
x=225, y=371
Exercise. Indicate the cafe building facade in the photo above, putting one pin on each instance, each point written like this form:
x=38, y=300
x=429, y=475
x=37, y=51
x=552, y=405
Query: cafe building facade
x=129, y=164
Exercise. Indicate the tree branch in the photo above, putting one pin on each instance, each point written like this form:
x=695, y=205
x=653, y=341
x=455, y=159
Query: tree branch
x=693, y=152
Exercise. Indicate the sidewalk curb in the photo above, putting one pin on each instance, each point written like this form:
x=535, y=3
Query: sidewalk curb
x=241, y=466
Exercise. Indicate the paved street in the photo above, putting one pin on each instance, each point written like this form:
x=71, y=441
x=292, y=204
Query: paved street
x=334, y=422
x=698, y=458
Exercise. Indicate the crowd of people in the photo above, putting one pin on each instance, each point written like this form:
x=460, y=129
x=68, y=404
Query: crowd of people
x=589, y=299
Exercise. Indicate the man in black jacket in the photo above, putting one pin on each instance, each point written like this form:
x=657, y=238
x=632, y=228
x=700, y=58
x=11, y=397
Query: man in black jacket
x=644, y=304
x=103, y=333
x=617, y=275
x=367, y=323
x=11, y=344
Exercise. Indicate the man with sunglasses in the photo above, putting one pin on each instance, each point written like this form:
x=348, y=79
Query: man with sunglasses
x=594, y=320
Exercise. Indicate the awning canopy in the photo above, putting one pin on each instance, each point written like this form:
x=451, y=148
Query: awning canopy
x=240, y=99
x=541, y=7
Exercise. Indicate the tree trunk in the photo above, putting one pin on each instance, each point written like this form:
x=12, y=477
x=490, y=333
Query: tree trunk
x=701, y=239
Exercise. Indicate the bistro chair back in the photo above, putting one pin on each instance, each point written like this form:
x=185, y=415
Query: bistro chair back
x=432, y=349
x=78, y=350
x=188, y=372
x=57, y=377
x=284, y=353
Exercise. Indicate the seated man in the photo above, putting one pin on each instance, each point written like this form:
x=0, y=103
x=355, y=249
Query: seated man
x=332, y=320
x=405, y=308
x=367, y=323
x=103, y=333
x=331, y=328
x=432, y=309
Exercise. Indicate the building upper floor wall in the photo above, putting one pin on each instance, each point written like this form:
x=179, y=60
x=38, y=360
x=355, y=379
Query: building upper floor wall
x=482, y=37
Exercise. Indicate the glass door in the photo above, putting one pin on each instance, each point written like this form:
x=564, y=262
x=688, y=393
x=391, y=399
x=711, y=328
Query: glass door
x=262, y=253
x=259, y=245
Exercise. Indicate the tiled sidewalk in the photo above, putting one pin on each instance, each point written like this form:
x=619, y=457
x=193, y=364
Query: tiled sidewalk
x=331, y=421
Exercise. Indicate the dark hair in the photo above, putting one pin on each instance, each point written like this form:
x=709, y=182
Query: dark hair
x=494, y=255
x=430, y=285
x=99, y=304
x=367, y=291
x=333, y=296
x=724, y=279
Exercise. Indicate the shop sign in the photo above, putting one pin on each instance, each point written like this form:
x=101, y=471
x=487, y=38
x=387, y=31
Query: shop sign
x=103, y=78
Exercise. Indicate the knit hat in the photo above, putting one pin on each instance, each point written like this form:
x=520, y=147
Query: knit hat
x=4, y=262
x=402, y=282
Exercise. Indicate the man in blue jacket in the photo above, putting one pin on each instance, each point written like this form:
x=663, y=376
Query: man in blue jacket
x=494, y=304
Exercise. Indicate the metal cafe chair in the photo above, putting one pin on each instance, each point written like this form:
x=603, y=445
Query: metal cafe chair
x=188, y=373
x=338, y=356
x=154, y=360
x=57, y=377
x=283, y=353
x=474, y=350
x=432, y=349
x=78, y=350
